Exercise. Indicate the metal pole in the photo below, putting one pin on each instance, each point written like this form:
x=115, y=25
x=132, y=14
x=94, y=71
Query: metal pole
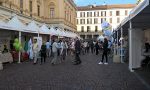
x=19, y=50
x=122, y=45
x=117, y=43
x=130, y=47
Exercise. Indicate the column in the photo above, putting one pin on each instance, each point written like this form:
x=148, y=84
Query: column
x=130, y=47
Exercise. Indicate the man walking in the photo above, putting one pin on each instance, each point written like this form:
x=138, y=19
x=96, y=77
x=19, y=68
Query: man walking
x=35, y=50
x=55, y=53
x=77, y=51
x=48, y=49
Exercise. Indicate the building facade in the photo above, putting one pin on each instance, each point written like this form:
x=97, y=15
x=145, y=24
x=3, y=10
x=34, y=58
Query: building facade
x=90, y=18
x=57, y=13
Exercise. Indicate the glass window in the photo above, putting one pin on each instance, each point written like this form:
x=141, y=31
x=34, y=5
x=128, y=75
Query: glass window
x=82, y=28
x=94, y=14
x=88, y=21
x=118, y=20
x=52, y=12
x=88, y=28
x=126, y=12
x=21, y=6
x=38, y=7
x=90, y=14
x=96, y=28
x=110, y=20
x=110, y=13
x=95, y=20
x=117, y=13
x=30, y=6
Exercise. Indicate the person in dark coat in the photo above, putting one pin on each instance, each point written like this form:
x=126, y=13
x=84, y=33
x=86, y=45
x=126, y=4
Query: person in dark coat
x=77, y=51
x=105, y=51
x=92, y=46
x=43, y=53
x=97, y=47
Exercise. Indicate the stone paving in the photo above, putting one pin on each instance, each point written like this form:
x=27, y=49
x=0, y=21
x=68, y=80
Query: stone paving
x=66, y=76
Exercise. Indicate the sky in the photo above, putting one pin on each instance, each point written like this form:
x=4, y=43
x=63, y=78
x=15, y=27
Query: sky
x=101, y=2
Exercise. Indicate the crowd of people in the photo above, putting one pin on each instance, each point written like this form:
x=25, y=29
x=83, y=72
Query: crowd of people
x=59, y=49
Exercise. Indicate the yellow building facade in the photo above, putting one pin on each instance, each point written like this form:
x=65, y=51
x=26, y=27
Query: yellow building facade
x=57, y=13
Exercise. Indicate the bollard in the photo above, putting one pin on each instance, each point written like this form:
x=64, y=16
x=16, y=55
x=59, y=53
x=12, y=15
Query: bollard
x=1, y=66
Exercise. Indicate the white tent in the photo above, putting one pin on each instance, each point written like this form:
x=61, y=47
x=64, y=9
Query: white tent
x=59, y=32
x=16, y=24
x=44, y=30
x=53, y=31
x=32, y=27
x=3, y=25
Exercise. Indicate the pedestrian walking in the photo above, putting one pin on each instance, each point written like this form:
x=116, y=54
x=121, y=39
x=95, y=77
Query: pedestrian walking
x=55, y=52
x=35, y=51
x=105, y=51
x=48, y=48
x=92, y=47
x=77, y=52
x=97, y=48
x=63, y=50
x=43, y=53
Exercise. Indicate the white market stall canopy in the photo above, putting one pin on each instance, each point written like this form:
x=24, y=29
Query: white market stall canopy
x=32, y=26
x=3, y=25
x=16, y=24
x=44, y=29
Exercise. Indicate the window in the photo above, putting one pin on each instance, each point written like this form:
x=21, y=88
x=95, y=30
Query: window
x=118, y=20
x=110, y=20
x=126, y=12
x=95, y=20
x=77, y=21
x=94, y=14
x=84, y=14
x=96, y=28
x=38, y=8
x=30, y=6
x=117, y=13
x=88, y=14
x=82, y=21
x=80, y=14
x=88, y=28
x=21, y=6
x=88, y=21
x=103, y=13
x=98, y=14
x=82, y=28
x=110, y=13
x=52, y=12
x=1, y=3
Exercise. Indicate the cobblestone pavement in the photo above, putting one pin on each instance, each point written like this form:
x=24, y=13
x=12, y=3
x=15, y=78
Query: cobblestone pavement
x=66, y=76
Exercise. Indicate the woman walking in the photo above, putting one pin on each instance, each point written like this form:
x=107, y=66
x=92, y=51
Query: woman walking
x=105, y=50
x=43, y=53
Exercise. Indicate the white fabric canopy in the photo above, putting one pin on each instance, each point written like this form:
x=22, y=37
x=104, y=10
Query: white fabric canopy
x=53, y=31
x=32, y=27
x=44, y=30
x=3, y=25
x=16, y=24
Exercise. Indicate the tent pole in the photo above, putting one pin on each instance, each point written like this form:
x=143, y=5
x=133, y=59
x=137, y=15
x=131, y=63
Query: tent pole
x=122, y=45
x=130, y=47
x=117, y=43
x=19, y=50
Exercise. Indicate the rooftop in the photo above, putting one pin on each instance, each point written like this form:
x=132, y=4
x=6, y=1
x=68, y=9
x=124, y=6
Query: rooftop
x=105, y=7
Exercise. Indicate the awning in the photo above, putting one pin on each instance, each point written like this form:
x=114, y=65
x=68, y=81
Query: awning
x=15, y=24
x=3, y=25
x=32, y=27
x=139, y=16
x=44, y=30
